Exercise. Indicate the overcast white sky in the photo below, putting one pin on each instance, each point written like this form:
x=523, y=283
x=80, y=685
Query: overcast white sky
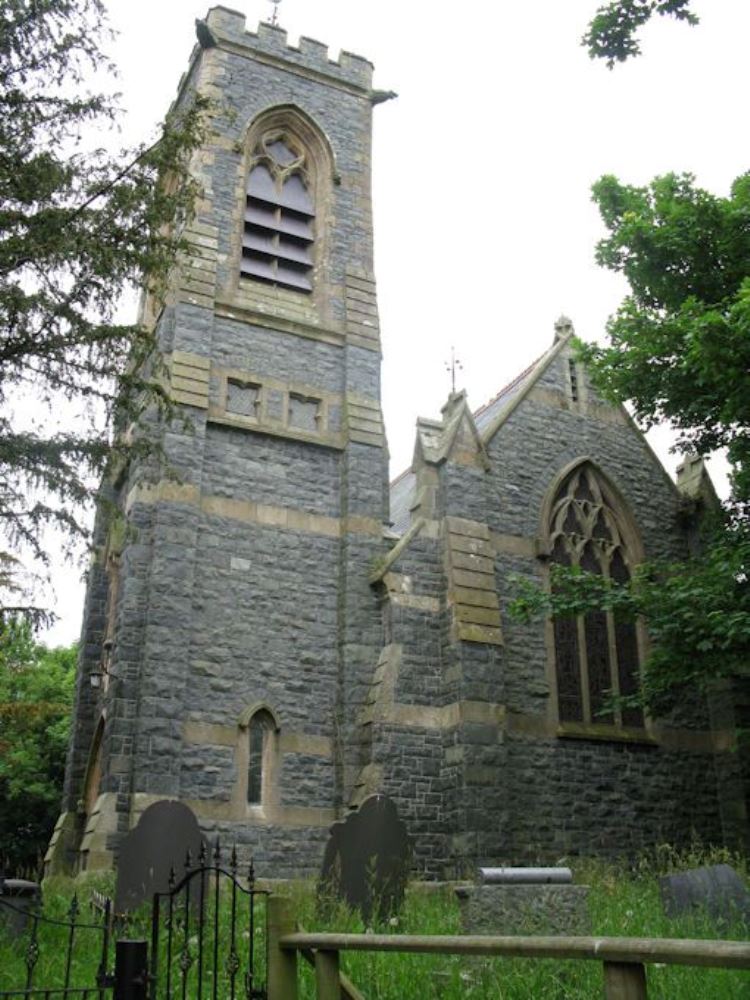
x=484, y=228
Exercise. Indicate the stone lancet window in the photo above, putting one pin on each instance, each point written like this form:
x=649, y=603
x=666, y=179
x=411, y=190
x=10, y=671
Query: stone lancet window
x=573, y=376
x=596, y=655
x=278, y=236
x=260, y=736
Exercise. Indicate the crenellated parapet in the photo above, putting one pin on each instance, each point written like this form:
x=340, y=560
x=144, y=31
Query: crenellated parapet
x=226, y=28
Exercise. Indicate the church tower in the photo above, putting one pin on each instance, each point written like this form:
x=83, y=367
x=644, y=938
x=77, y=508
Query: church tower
x=230, y=628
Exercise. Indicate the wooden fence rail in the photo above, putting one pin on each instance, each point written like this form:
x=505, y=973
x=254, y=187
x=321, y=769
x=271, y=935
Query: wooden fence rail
x=624, y=959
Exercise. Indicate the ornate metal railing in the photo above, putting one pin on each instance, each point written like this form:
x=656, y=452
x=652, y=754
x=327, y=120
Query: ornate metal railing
x=75, y=938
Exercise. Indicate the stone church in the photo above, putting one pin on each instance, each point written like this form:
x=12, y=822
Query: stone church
x=272, y=633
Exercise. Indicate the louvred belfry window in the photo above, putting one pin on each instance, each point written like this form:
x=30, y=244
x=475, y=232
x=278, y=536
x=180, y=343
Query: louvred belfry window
x=278, y=237
x=596, y=654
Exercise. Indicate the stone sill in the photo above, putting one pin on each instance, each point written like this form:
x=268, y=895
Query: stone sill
x=277, y=316
x=333, y=441
x=602, y=732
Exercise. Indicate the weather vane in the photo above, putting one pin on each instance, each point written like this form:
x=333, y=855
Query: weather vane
x=452, y=366
x=275, y=15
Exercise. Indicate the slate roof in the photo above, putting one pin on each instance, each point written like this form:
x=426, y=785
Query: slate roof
x=402, y=496
x=403, y=486
x=485, y=415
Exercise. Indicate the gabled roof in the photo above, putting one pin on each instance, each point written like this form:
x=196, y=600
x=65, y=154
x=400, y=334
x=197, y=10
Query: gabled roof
x=486, y=415
x=487, y=419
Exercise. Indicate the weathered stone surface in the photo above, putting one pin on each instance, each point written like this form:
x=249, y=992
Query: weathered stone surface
x=18, y=898
x=716, y=890
x=524, y=909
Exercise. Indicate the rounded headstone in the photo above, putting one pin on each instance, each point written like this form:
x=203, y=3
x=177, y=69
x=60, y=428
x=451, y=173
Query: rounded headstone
x=367, y=859
x=21, y=896
x=160, y=841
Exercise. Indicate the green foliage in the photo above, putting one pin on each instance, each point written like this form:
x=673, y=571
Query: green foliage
x=623, y=901
x=679, y=350
x=697, y=613
x=612, y=32
x=78, y=226
x=679, y=345
x=36, y=696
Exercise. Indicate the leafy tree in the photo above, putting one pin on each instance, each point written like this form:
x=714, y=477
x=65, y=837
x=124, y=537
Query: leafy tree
x=679, y=345
x=612, y=32
x=78, y=226
x=678, y=350
x=36, y=697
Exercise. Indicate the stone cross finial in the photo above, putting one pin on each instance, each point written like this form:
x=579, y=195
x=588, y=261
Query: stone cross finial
x=563, y=327
x=451, y=367
x=275, y=15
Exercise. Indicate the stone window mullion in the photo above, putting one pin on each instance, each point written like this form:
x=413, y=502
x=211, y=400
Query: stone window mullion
x=584, y=667
x=614, y=669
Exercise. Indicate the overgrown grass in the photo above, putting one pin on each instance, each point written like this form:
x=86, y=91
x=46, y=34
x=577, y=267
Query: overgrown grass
x=624, y=902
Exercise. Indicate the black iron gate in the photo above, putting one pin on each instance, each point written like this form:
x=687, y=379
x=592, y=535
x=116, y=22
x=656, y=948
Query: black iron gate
x=208, y=941
x=208, y=934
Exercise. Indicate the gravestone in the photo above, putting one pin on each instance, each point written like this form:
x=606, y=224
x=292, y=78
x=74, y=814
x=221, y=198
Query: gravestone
x=160, y=840
x=21, y=898
x=716, y=890
x=524, y=901
x=367, y=859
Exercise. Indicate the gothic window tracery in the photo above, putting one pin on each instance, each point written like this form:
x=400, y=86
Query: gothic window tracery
x=278, y=235
x=596, y=654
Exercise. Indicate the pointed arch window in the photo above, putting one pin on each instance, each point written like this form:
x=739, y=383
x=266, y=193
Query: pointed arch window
x=596, y=654
x=278, y=237
x=261, y=758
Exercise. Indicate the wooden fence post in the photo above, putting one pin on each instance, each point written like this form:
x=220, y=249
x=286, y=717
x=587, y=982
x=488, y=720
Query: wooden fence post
x=327, y=981
x=282, y=965
x=624, y=981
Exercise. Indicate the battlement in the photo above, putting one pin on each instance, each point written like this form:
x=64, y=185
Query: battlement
x=227, y=25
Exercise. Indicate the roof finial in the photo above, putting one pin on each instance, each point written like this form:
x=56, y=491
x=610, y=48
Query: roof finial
x=275, y=16
x=563, y=327
x=451, y=367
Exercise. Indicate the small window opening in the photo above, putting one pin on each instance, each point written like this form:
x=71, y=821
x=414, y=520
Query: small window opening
x=243, y=398
x=573, y=372
x=304, y=412
x=259, y=737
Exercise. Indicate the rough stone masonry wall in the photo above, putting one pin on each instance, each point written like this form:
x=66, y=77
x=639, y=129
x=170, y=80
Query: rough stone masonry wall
x=582, y=795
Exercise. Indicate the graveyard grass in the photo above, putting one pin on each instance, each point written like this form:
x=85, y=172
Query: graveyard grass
x=624, y=902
